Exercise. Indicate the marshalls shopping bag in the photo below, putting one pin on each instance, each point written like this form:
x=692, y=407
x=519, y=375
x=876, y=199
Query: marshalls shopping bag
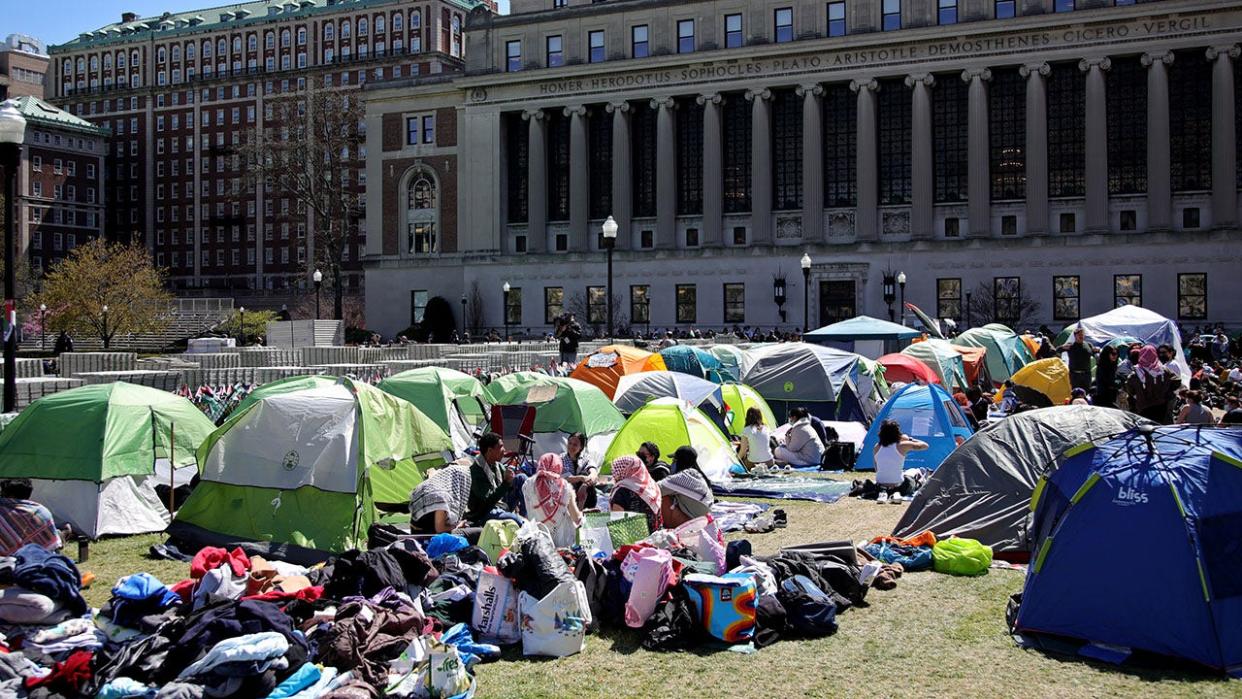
x=555, y=625
x=495, y=615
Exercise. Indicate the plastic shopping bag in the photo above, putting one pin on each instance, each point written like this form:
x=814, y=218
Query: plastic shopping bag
x=555, y=625
x=495, y=615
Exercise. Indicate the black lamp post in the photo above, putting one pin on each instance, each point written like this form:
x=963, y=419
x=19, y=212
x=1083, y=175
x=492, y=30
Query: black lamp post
x=778, y=295
x=901, y=284
x=12, y=134
x=610, y=242
x=43, y=326
x=463, y=317
x=106, y=339
x=505, y=310
x=890, y=295
x=806, y=293
x=317, y=277
x=241, y=326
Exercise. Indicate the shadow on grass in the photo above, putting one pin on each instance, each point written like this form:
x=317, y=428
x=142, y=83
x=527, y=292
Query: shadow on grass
x=1144, y=666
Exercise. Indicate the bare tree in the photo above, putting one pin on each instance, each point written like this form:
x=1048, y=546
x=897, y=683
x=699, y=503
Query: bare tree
x=1004, y=301
x=308, y=148
x=578, y=305
x=475, y=314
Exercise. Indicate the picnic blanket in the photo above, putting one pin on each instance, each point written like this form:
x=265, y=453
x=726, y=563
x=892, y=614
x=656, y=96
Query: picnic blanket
x=785, y=487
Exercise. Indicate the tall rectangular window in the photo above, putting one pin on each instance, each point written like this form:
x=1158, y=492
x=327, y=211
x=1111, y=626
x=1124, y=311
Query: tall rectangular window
x=840, y=146
x=736, y=156
x=1064, y=5
x=596, y=49
x=517, y=143
x=891, y=16
x=949, y=298
x=555, y=51
x=950, y=139
x=513, y=56
x=783, y=25
x=418, y=305
x=599, y=148
x=733, y=31
x=640, y=305
x=1190, y=122
x=597, y=305
x=894, y=141
x=558, y=166
x=1126, y=98
x=1006, y=9
x=1007, y=300
x=735, y=303
x=640, y=45
x=1192, y=296
x=513, y=306
x=643, y=159
x=1007, y=141
x=1066, y=131
x=836, y=19
x=689, y=145
x=1065, y=298
x=687, y=303
x=787, y=150
x=947, y=12
x=685, y=36
x=1127, y=290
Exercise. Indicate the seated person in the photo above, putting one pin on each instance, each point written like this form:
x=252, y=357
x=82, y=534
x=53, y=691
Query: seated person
x=802, y=445
x=462, y=492
x=579, y=471
x=686, y=459
x=634, y=490
x=23, y=521
x=1009, y=403
x=550, y=500
x=756, y=445
x=890, y=458
x=649, y=454
x=684, y=496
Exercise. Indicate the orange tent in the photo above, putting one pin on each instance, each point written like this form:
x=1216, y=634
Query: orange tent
x=605, y=367
x=973, y=361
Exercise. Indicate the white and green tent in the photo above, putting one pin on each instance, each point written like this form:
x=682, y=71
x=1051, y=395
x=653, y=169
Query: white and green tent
x=304, y=470
x=671, y=423
x=451, y=399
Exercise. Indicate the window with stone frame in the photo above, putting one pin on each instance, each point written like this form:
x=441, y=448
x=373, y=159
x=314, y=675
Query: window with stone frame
x=558, y=165
x=1067, y=118
x=1065, y=298
x=689, y=116
x=1007, y=300
x=1127, y=290
x=735, y=303
x=517, y=138
x=599, y=163
x=949, y=297
x=1192, y=296
x=640, y=304
x=1190, y=121
x=736, y=154
x=513, y=306
x=643, y=158
x=950, y=138
x=1126, y=107
x=1007, y=137
x=687, y=303
x=597, y=305
x=893, y=102
x=840, y=146
x=786, y=150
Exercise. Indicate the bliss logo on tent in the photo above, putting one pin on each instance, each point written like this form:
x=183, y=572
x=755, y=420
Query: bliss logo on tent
x=1130, y=496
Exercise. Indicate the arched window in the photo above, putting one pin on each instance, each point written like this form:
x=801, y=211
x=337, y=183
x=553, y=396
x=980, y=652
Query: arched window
x=416, y=19
x=422, y=215
x=362, y=26
x=252, y=42
x=176, y=53
x=222, y=48
x=237, y=44
x=108, y=61
x=206, y=49
x=160, y=56
x=329, y=31
x=396, y=22
x=190, y=51
x=379, y=24
x=345, y=29
x=284, y=38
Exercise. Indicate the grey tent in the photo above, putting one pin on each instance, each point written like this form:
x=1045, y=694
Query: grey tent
x=983, y=490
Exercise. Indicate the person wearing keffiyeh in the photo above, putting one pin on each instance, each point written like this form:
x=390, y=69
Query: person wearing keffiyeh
x=550, y=501
x=1152, y=387
x=635, y=491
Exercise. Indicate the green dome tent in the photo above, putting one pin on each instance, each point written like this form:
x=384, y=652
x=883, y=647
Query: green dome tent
x=739, y=398
x=96, y=453
x=943, y=360
x=670, y=424
x=450, y=398
x=562, y=406
x=1006, y=353
x=304, y=469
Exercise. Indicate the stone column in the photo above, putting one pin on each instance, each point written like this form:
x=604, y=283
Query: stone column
x=622, y=184
x=537, y=182
x=867, y=216
x=1095, y=170
x=1224, y=137
x=923, y=190
x=713, y=167
x=979, y=180
x=1159, y=181
x=760, y=166
x=812, y=162
x=1036, y=147
x=579, y=179
x=666, y=173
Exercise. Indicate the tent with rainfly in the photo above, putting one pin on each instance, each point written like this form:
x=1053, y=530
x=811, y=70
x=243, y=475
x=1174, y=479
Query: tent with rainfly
x=739, y=398
x=732, y=359
x=1130, y=321
x=1006, y=353
x=671, y=424
x=940, y=356
x=604, y=367
x=446, y=396
x=866, y=335
x=694, y=361
x=1156, y=513
x=828, y=382
x=561, y=406
x=301, y=471
x=637, y=390
x=96, y=454
x=904, y=368
x=927, y=413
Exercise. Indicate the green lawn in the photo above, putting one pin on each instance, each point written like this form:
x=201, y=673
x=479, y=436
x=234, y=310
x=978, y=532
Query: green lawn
x=934, y=634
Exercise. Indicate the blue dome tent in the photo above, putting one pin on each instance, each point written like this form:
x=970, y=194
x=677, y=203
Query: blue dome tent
x=1138, y=546
x=928, y=413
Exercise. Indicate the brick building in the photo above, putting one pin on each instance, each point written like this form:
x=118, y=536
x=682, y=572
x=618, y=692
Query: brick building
x=181, y=91
x=23, y=67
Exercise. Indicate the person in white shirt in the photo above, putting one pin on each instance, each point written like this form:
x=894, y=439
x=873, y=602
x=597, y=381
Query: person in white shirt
x=756, y=441
x=890, y=458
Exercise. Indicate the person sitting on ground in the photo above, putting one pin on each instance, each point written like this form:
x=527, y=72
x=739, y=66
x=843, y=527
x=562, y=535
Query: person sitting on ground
x=979, y=404
x=802, y=446
x=756, y=441
x=579, y=471
x=1079, y=397
x=684, y=496
x=463, y=492
x=24, y=521
x=1233, y=411
x=1194, y=412
x=685, y=459
x=649, y=454
x=890, y=458
x=1010, y=403
x=634, y=490
x=550, y=500
x=1152, y=387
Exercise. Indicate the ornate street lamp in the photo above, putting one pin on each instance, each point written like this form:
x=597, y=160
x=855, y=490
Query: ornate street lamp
x=890, y=295
x=317, y=277
x=105, y=326
x=901, y=283
x=505, y=310
x=463, y=318
x=241, y=332
x=610, y=242
x=806, y=293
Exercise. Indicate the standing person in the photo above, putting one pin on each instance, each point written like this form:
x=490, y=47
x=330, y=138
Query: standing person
x=756, y=441
x=890, y=458
x=64, y=343
x=550, y=500
x=569, y=333
x=1106, y=377
x=1194, y=412
x=635, y=491
x=1080, y=355
x=1168, y=357
x=802, y=446
x=1151, y=387
x=579, y=471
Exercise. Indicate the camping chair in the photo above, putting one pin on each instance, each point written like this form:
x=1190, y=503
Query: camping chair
x=514, y=424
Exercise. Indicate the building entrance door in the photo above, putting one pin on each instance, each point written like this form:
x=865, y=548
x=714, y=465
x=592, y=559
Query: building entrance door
x=837, y=302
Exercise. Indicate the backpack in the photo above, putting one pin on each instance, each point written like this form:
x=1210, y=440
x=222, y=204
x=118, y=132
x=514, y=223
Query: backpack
x=770, y=621
x=809, y=611
x=674, y=625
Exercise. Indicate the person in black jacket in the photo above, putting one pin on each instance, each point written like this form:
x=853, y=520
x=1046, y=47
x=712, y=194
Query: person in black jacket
x=569, y=333
x=1080, y=355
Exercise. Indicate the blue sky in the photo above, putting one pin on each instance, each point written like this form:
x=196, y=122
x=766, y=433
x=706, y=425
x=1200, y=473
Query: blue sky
x=57, y=21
